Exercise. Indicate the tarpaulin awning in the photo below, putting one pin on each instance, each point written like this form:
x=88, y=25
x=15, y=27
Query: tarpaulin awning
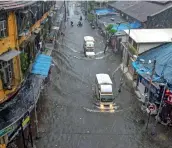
x=42, y=65
x=9, y=55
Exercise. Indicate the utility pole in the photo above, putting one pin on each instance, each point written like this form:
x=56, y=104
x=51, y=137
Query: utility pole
x=162, y=99
x=150, y=82
x=65, y=9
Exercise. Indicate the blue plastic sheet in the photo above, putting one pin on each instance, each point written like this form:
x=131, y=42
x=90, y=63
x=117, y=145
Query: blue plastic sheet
x=104, y=11
x=42, y=65
x=126, y=26
x=163, y=56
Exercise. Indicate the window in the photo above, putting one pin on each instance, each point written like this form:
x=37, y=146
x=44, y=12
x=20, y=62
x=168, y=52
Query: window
x=3, y=28
x=130, y=40
x=6, y=70
x=24, y=21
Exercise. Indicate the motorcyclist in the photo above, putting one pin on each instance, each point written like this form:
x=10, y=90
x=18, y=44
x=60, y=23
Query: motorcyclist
x=71, y=23
x=80, y=18
x=79, y=23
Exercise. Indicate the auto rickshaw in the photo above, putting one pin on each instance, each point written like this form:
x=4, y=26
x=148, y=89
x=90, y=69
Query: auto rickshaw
x=89, y=46
x=104, y=92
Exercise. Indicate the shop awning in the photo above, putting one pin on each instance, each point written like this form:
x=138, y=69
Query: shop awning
x=9, y=55
x=42, y=65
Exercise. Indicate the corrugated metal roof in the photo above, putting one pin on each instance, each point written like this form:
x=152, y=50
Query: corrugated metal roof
x=13, y=4
x=150, y=35
x=139, y=9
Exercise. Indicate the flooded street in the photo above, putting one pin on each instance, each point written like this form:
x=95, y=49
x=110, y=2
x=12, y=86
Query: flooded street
x=69, y=118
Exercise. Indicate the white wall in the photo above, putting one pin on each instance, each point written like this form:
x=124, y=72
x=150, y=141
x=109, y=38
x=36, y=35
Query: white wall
x=146, y=46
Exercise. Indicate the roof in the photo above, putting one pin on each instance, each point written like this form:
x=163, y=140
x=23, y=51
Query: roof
x=88, y=38
x=106, y=88
x=107, y=19
x=150, y=35
x=103, y=79
x=124, y=26
x=140, y=10
x=13, y=4
x=42, y=65
x=9, y=55
x=104, y=11
x=122, y=5
x=163, y=56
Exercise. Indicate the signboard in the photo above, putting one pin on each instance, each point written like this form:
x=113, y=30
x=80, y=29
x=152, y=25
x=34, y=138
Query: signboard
x=6, y=130
x=25, y=122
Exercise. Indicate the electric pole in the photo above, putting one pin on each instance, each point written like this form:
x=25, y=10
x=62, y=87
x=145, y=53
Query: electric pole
x=65, y=9
x=150, y=82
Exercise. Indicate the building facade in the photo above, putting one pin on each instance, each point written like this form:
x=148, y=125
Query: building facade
x=23, y=26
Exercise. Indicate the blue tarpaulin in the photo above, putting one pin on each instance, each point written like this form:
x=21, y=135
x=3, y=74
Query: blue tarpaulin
x=126, y=26
x=163, y=56
x=104, y=11
x=42, y=65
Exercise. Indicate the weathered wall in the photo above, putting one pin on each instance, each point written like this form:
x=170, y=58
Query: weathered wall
x=161, y=20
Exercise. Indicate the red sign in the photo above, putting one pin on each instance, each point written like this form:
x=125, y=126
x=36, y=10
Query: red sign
x=152, y=107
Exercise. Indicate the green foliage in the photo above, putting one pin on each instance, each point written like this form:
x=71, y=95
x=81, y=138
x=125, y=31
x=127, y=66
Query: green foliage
x=91, y=17
x=110, y=29
x=24, y=62
x=91, y=5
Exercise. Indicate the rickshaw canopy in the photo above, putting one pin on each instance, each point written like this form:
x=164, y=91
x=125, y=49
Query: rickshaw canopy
x=88, y=39
x=89, y=44
x=103, y=79
x=106, y=89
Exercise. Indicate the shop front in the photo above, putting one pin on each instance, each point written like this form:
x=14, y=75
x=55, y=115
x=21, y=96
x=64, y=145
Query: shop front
x=143, y=87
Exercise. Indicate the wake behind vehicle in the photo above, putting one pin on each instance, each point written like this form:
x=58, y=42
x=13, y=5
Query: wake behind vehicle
x=104, y=92
x=89, y=46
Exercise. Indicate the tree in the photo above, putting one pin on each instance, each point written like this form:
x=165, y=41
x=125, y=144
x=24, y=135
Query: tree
x=110, y=29
x=91, y=17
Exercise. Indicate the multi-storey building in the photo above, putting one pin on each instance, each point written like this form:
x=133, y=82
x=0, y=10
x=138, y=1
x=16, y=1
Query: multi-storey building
x=23, y=26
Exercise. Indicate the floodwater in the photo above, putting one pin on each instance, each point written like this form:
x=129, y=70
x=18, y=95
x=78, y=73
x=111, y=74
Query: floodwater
x=69, y=118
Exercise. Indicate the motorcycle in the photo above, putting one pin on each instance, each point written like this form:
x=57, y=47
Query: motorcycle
x=71, y=24
x=80, y=18
x=79, y=24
